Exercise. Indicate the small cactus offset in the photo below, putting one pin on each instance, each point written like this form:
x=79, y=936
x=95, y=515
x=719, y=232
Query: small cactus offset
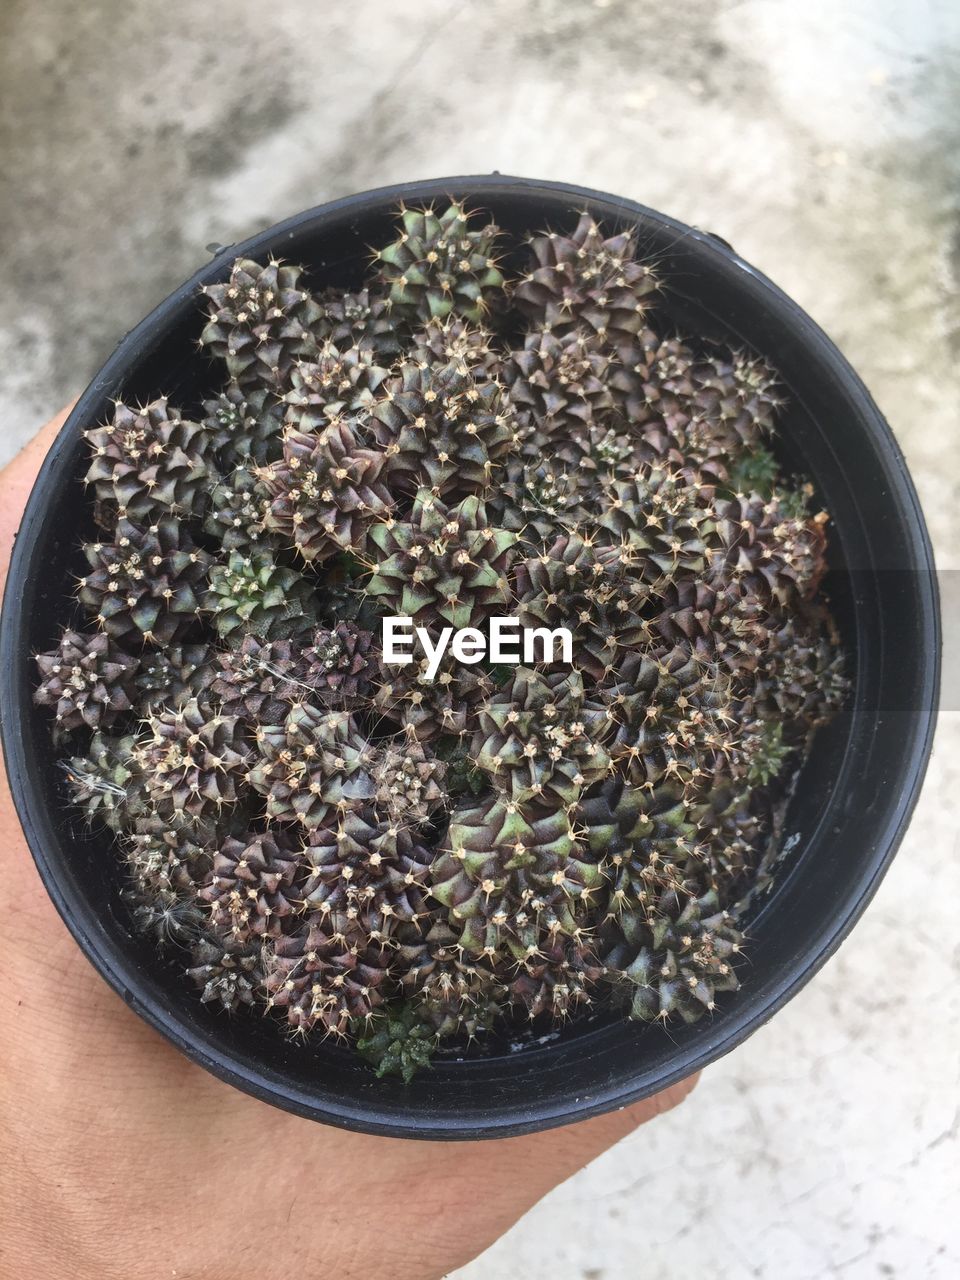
x=409, y=856
x=441, y=264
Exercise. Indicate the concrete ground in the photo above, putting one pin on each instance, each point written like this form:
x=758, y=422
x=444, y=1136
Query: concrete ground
x=822, y=140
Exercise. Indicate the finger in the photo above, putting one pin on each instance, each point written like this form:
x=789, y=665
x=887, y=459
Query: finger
x=20, y=882
x=16, y=481
x=576, y=1145
x=563, y=1151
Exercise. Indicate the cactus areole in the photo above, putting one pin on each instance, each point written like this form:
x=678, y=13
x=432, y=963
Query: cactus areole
x=444, y=654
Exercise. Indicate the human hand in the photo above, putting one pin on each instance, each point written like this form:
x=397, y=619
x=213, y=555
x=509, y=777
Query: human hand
x=122, y=1160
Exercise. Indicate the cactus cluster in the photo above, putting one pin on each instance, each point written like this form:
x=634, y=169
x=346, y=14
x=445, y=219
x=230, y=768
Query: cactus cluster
x=408, y=860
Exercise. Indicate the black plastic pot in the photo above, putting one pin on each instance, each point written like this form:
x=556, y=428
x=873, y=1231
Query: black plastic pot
x=852, y=802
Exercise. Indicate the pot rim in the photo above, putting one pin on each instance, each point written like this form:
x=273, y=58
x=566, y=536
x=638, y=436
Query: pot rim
x=539, y=1112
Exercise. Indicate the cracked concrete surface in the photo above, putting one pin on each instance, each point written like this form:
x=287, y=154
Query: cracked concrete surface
x=823, y=141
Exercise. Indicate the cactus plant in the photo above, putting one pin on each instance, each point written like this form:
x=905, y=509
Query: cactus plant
x=409, y=856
